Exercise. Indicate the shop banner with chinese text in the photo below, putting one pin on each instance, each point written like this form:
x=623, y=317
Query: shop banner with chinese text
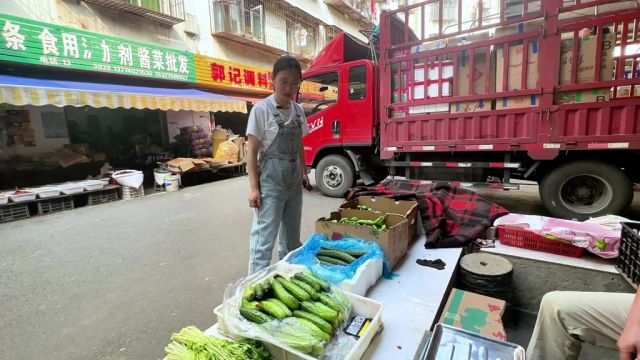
x=38, y=43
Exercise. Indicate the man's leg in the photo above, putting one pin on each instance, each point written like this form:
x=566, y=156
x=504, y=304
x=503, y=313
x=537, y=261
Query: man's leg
x=568, y=318
x=289, y=238
x=264, y=231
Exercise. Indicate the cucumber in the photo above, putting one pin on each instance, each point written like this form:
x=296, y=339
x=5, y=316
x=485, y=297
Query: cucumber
x=259, y=291
x=324, y=263
x=331, y=260
x=314, y=329
x=354, y=253
x=313, y=294
x=330, y=302
x=307, y=280
x=337, y=255
x=312, y=280
x=255, y=315
x=316, y=320
x=320, y=310
x=272, y=308
x=249, y=304
x=249, y=293
x=323, y=284
x=294, y=289
x=283, y=295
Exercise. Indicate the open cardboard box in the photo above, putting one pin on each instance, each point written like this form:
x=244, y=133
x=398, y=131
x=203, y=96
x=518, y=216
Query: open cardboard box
x=406, y=208
x=394, y=241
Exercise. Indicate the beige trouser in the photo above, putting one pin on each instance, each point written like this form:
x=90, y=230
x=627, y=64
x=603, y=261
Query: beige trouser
x=568, y=318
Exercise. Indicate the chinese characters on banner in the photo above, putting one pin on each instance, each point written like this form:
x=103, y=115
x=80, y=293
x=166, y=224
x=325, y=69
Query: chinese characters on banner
x=222, y=73
x=38, y=43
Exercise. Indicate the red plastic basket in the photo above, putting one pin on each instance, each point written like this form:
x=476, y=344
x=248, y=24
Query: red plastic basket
x=523, y=238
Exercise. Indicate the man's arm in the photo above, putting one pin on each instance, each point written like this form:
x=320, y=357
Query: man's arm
x=629, y=341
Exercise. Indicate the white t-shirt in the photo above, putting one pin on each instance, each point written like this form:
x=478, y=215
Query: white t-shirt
x=263, y=125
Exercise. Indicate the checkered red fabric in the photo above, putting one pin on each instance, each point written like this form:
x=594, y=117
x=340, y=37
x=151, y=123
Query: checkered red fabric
x=451, y=216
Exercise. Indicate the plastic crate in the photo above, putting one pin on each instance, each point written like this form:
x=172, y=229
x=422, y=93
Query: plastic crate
x=128, y=192
x=523, y=238
x=629, y=252
x=54, y=206
x=102, y=197
x=14, y=212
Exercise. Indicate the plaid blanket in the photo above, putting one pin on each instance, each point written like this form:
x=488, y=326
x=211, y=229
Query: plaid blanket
x=451, y=216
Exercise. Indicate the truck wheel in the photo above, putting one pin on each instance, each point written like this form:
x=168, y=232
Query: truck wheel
x=334, y=175
x=584, y=189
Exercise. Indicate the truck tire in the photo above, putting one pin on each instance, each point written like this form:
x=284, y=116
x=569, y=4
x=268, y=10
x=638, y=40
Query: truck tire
x=584, y=189
x=334, y=175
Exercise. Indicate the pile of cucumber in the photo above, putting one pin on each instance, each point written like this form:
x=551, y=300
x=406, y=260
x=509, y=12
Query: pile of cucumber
x=303, y=297
x=331, y=257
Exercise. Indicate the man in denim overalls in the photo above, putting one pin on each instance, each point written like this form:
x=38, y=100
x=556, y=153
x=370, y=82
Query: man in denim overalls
x=276, y=167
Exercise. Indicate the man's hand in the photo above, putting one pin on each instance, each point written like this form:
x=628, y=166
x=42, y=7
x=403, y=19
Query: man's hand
x=254, y=199
x=305, y=182
x=629, y=341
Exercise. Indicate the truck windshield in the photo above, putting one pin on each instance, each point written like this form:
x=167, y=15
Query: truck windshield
x=318, y=92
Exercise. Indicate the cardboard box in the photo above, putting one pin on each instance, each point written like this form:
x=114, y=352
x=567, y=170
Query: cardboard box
x=468, y=39
x=479, y=75
x=587, y=59
x=428, y=109
x=181, y=164
x=406, y=208
x=476, y=313
x=471, y=106
x=625, y=91
x=518, y=28
x=583, y=96
x=515, y=67
x=516, y=102
x=428, y=46
x=394, y=241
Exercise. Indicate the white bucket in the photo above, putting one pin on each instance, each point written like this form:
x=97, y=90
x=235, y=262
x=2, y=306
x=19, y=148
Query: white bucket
x=172, y=183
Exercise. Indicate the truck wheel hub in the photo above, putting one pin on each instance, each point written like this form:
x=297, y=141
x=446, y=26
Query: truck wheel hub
x=586, y=194
x=333, y=176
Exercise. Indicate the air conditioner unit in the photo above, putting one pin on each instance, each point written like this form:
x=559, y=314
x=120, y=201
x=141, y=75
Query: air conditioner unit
x=191, y=24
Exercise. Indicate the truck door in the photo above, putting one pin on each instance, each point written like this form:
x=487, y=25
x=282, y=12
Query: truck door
x=359, y=107
x=319, y=95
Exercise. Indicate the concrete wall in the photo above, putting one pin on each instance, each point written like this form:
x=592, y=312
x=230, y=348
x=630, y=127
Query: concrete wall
x=328, y=15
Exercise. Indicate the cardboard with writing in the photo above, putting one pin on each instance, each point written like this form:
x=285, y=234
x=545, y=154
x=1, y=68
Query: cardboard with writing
x=587, y=52
x=516, y=102
x=406, y=208
x=471, y=106
x=476, y=313
x=582, y=96
x=394, y=241
x=516, y=58
x=478, y=77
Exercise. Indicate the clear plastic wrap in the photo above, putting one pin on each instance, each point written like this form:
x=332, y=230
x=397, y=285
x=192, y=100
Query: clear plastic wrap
x=335, y=274
x=286, y=333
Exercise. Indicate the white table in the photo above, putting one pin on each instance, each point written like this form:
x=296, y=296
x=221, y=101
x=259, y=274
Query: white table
x=411, y=301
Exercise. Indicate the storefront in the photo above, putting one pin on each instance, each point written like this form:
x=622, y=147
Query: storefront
x=56, y=126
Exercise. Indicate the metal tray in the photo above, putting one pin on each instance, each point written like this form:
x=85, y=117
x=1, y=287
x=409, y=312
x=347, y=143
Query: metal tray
x=449, y=343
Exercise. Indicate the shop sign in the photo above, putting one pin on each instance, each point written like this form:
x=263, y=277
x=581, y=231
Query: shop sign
x=37, y=43
x=226, y=74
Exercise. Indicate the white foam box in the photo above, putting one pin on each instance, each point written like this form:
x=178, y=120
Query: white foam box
x=365, y=277
x=360, y=306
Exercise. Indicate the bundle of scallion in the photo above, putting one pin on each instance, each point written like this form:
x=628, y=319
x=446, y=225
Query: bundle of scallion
x=192, y=344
